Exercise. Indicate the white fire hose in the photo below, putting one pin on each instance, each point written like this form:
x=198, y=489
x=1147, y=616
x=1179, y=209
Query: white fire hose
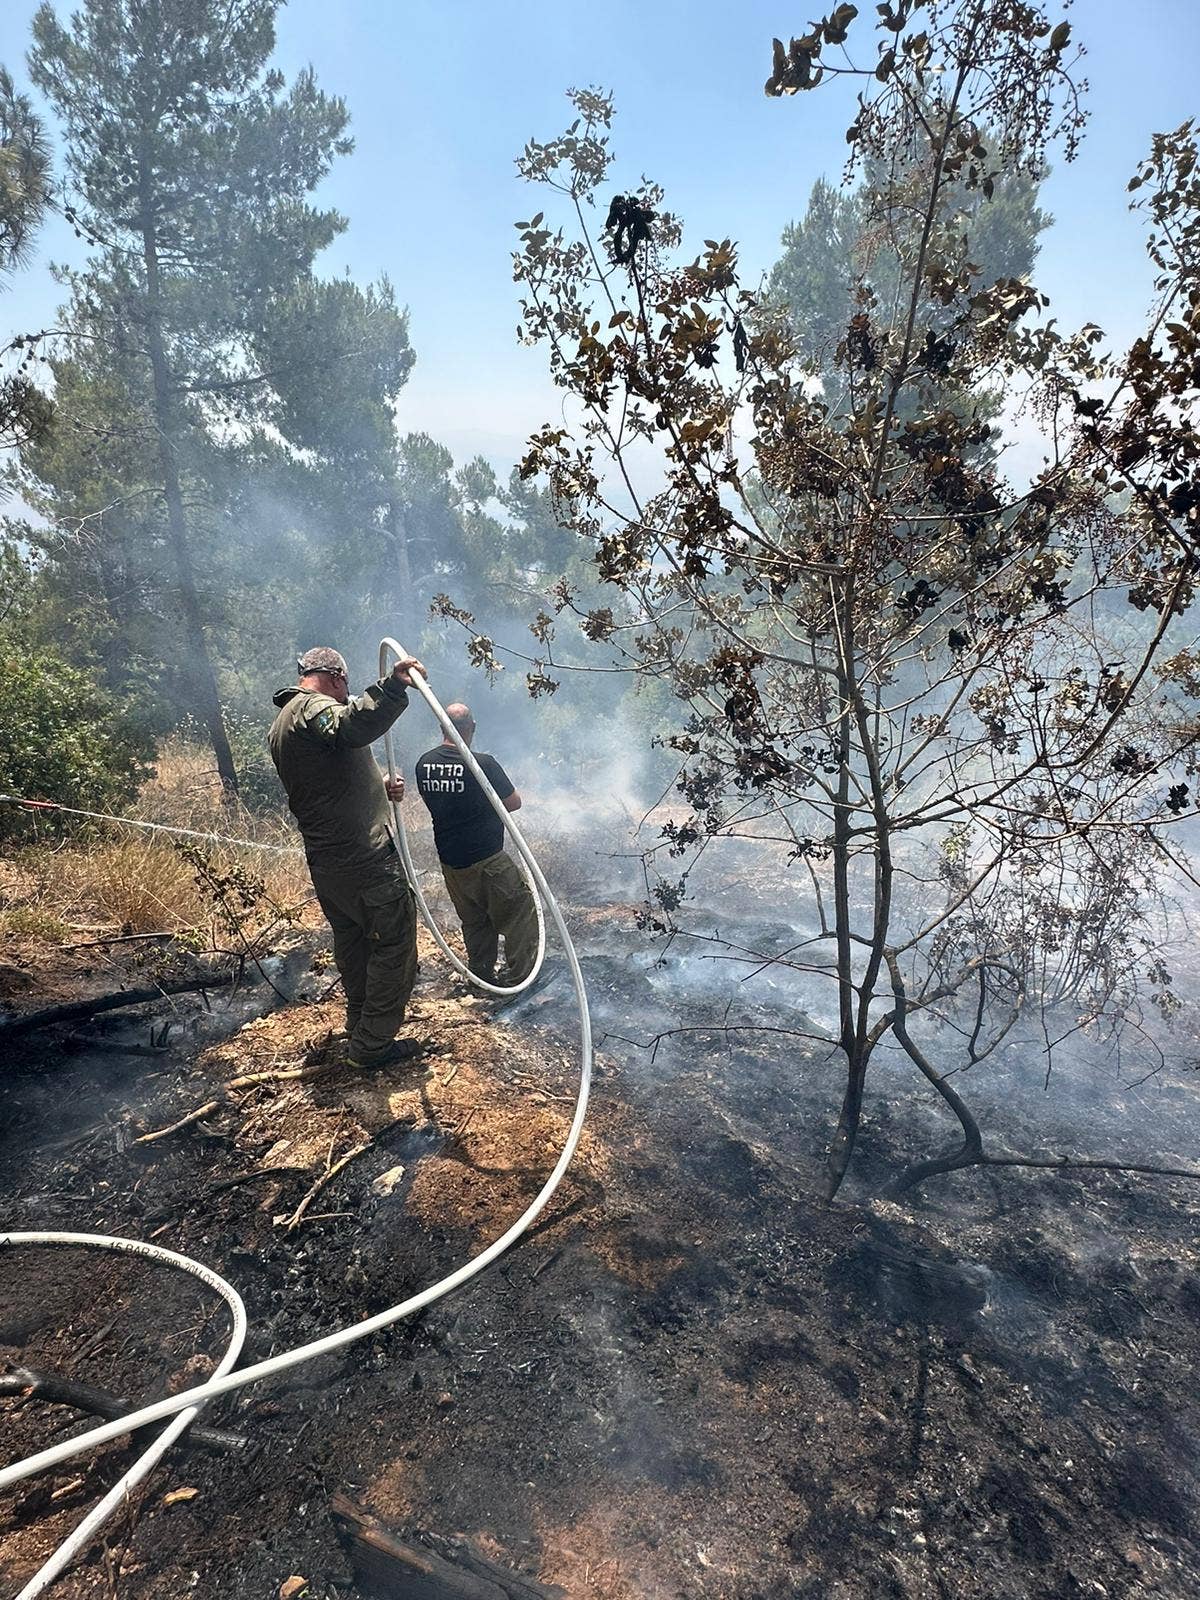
x=183, y=1407
x=81, y=1536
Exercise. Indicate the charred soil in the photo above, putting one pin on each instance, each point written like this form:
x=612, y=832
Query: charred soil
x=690, y=1379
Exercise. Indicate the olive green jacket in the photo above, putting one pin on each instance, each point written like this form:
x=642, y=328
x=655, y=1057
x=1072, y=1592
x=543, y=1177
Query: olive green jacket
x=334, y=785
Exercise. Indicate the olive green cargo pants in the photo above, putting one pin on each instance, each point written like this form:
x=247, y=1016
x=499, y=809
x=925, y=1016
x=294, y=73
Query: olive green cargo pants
x=494, y=901
x=374, y=921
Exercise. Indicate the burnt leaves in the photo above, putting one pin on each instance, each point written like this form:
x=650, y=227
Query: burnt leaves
x=799, y=65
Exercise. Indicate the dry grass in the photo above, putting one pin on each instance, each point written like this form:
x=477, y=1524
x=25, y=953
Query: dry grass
x=145, y=885
x=127, y=881
x=118, y=880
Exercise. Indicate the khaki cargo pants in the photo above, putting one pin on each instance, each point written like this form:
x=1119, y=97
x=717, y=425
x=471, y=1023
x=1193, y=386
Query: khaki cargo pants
x=374, y=921
x=494, y=901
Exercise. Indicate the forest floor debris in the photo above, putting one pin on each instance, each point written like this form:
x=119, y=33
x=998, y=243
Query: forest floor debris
x=689, y=1379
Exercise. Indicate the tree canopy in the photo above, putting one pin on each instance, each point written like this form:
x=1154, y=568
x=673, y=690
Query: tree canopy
x=24, y=182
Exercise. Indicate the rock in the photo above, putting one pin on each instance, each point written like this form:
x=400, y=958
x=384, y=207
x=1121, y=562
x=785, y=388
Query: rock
x=292, y=1588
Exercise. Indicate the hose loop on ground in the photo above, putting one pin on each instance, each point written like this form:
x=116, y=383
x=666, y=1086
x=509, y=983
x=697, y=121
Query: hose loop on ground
x=80, y=1537
x=389, y=647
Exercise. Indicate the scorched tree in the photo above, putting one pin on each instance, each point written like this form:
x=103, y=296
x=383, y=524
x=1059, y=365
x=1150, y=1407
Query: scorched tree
x=964, y=703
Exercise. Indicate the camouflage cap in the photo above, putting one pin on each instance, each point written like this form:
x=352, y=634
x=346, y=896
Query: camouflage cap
x=321, y=659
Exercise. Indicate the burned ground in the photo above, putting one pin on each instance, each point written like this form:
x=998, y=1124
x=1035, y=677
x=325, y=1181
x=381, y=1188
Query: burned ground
x=690, y=1379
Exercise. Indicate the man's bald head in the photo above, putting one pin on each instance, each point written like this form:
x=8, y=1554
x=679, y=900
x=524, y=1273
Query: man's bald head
x=464, y=722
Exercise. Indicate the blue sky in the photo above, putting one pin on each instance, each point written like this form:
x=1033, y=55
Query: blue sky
x=444, y=93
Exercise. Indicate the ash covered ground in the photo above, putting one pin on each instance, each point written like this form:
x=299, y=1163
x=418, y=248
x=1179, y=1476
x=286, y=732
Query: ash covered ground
x=693, y=1378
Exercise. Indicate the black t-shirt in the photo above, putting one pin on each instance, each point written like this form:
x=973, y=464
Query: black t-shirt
x=465, y=828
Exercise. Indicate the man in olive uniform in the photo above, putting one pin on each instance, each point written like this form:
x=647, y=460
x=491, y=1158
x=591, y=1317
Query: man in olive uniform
x=320, y=746
x=489, y=893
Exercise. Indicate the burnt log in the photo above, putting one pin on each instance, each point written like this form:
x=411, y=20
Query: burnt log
x=78, y=1010
x=32, y=1383
x=394, y=1569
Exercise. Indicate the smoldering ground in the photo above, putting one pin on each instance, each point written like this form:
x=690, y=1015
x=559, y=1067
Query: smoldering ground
x=722, y=1386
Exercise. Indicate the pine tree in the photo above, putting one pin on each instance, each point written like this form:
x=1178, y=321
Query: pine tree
x=852, y=251
x=24, y=177
x=189, y=163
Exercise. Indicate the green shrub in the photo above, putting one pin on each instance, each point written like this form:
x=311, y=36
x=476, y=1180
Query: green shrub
x=259, y=788
x=63, y=738
x=28, y=922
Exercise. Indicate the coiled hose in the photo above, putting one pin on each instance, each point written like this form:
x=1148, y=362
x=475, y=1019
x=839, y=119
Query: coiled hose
x=81, y=1536
x=184, y=1406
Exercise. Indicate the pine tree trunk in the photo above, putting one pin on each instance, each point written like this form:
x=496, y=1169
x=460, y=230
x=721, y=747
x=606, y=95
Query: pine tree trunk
x=407, y=618
x=199, y=672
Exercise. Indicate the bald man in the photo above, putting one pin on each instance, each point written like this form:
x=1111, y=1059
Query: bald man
x=491, y=897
